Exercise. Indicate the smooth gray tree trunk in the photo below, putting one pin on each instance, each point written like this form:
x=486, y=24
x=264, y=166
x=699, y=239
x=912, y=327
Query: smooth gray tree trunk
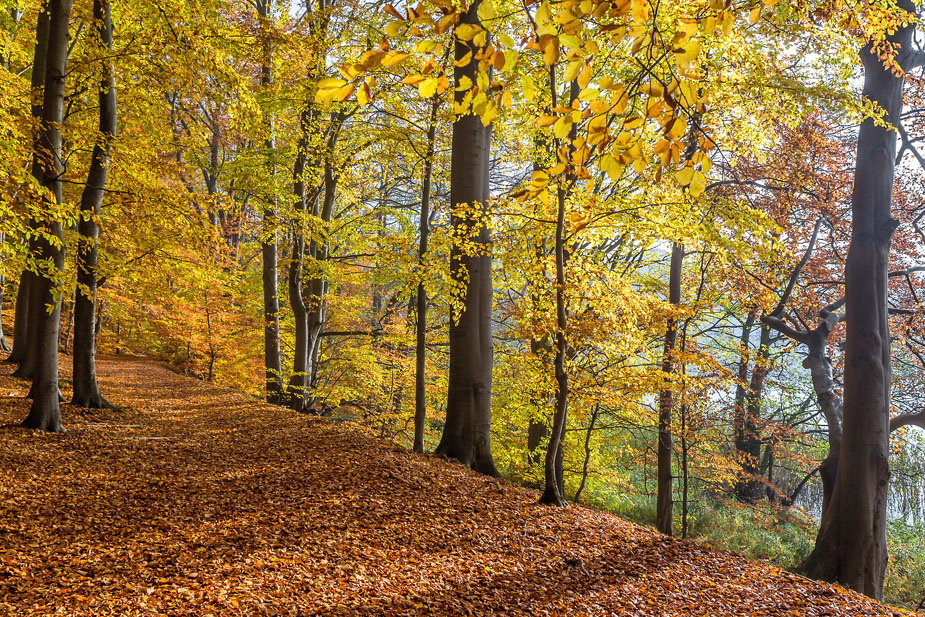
x=86, y=389
x=851, y=545
x=45, y=412
x=467, y=432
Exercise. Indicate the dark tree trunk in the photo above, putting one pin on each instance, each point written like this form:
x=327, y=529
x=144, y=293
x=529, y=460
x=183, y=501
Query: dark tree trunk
x=420, y=374
x=21, y=317
x=748, y=429
x=268, y=242
x=738, y=412
x=587, y=459
x=45, y=412
x=298, y=380
x=552, y=491
x=467, y=432
x=24, y=326
x=86, y=389
x=831, y=404
x=851, y=545
x=316, y=307
x=15, y=14
x=665, y=487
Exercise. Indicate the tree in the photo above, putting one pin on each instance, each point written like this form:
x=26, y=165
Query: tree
x=851, y=545
x=268, y=240
x=467, y=432
x=86, y=389
x=420, y=397
x=44, y=305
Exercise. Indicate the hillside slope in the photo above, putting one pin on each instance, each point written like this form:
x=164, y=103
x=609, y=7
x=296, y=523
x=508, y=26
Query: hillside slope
x=201, y=501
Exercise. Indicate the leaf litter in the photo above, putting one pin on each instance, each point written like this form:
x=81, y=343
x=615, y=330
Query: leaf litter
x=197, y=500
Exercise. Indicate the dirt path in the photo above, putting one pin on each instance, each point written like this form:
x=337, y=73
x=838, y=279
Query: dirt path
x=202, y=501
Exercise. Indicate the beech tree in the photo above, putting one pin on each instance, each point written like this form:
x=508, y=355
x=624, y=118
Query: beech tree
x=851, y=545
x=86, y=389
x=48, y=250
x=467, y=432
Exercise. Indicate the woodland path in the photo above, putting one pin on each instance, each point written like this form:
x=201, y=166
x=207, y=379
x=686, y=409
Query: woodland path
x=201, y=501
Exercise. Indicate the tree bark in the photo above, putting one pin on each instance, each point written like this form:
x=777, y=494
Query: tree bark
x=748, y=429
x=45, y=412
x=552, y=491
x=851, y=545
x=86, y=389
x=268, y=241
x=420, y=359
x=664, y=451
x=298, y=380
x=467, y=432
x=738, y=417
x=23, y=325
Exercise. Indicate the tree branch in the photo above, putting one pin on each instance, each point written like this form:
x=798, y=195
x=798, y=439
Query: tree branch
x=914, y=419
x=781, y=326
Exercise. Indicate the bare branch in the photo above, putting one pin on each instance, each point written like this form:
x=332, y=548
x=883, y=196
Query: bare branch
x=913, y=419
x=782, y=327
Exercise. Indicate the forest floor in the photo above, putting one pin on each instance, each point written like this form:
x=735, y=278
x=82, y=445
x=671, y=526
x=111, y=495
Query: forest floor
x=197, y=500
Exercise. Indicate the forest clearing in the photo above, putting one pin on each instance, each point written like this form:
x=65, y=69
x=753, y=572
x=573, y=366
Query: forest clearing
x=198, y=500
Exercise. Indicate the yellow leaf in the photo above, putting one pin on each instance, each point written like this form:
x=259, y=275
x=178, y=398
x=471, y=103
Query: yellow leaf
x=549, y=44
x=490, y=112
x=527, y=87
x=344, y=92
x=698, y=184
x=446, y=22
x=685, y=175
x=486, y=11
x=556, y=169
x=466, y=59
x=611, y=167
x=363, y=95
x=562, y=126
x=467, y=32
x=755, y=15
x=428, y=87
x=571, y=72
x=633, y=123
x=393, y=58
x=588, y=94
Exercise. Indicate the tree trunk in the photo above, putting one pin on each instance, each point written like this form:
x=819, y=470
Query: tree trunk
x=748, y=430
x=587, y=459
x=15, y=15
x=420, y=375
x=552, y=492
x=86, y=389
x=851, y=545
x=831, y=404
x=298, y=380
x=268, y=241
x=45, y=412
x=24, y=327
x=467, y=432
x=665, y=487
x=738, y=413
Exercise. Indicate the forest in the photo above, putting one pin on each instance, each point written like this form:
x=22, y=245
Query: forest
x=662, y=259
